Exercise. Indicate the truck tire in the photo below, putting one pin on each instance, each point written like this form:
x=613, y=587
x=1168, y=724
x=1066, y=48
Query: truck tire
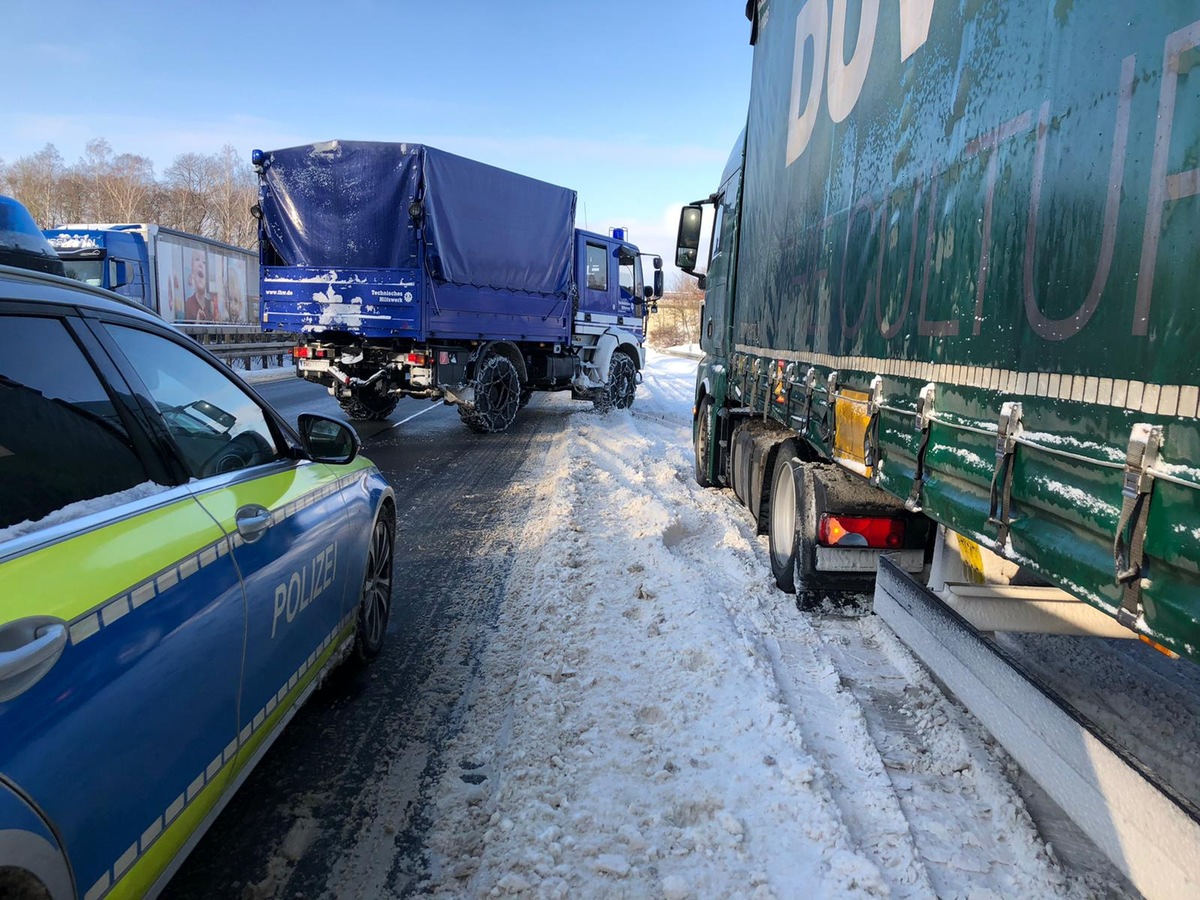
x=785, y=515
x=702, y=441
x=621, y=387
x=370, y=406
x=742, y=448
x=497, y=396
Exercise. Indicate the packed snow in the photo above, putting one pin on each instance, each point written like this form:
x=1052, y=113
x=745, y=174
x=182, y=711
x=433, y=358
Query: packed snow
x=74, y=511
x=655, y=719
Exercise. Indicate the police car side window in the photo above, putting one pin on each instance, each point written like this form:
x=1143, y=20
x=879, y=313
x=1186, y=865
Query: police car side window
x=61, y=440
x=216, y=425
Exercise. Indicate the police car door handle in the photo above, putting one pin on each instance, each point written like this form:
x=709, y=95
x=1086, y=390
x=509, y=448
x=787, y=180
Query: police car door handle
x=40, y=649
x=252, y=521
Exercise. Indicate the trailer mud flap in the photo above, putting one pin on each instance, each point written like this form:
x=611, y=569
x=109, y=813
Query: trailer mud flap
x=1149, y=836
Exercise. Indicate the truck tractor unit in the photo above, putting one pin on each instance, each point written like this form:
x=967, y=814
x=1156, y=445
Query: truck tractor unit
x=185, y=278
x=951, y=310
x=409, y=271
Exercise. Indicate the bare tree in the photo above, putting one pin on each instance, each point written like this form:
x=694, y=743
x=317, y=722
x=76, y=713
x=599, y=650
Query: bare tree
x=205, y=194
x=188, y=184
x=234, y=192
x=128, y=188
x=36, y=181
x=678, y=318
x=78, y=197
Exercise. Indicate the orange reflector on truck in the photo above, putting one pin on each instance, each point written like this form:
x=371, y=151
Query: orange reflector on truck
x=879, y=532
x=1165, y=651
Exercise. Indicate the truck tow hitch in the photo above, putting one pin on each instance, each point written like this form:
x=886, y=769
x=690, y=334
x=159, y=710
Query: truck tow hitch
x=352, y=382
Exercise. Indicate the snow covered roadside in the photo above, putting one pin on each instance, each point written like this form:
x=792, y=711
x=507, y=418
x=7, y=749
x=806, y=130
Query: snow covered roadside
x=656, y=720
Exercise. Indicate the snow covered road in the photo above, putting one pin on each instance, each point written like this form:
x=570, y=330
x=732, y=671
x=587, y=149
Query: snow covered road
x=655, y=719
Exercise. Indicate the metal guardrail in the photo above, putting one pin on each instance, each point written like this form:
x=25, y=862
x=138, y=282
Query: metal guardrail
x=240, y=348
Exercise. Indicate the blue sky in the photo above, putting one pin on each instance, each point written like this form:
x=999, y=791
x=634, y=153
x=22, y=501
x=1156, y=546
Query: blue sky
x=633, y=104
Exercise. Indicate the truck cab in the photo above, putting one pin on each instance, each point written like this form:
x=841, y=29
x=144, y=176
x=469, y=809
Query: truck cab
x=114, y=260
x=612, y=289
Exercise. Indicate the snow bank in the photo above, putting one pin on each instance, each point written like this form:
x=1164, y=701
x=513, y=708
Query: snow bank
x=656, y=720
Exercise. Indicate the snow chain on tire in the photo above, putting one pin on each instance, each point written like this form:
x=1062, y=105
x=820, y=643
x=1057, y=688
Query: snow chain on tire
x=497, y=396
x=621, y=387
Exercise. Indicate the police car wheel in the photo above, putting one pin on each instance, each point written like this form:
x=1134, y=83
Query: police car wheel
x=376, y=602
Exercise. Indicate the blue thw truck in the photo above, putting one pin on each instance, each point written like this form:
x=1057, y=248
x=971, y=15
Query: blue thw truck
x=409, y=271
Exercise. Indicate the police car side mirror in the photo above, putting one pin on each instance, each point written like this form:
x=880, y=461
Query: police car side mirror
x=327, y=440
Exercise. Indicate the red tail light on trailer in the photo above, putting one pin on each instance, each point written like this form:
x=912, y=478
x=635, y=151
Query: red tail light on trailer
x=879, y=532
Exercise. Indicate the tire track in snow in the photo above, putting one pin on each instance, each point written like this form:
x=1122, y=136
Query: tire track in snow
x=902, y=760
x=951, y=782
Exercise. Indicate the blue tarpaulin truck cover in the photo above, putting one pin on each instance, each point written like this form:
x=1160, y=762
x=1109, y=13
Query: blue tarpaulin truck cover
x=346, y=204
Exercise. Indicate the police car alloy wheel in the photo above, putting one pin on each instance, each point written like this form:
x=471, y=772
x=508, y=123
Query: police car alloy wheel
x=376, y=603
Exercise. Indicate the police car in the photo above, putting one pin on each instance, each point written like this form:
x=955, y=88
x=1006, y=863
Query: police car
x=179, y=569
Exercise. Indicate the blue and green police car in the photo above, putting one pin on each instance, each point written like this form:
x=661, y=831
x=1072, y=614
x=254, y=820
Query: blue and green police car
x=179, y=568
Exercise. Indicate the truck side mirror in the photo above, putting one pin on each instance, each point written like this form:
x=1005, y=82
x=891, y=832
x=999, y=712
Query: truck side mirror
x=658, y=283
x=687, y=244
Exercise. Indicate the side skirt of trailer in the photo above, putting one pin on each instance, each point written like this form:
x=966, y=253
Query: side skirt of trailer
x=1146, y=833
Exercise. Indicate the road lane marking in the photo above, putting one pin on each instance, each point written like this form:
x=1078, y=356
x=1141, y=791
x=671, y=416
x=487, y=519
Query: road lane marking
x=414, y=415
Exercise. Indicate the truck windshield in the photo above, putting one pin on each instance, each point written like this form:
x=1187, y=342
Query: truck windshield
x=89, y=271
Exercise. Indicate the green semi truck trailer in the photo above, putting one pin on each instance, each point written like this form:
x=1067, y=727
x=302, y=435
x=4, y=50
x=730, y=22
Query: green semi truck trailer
x=952, y=309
